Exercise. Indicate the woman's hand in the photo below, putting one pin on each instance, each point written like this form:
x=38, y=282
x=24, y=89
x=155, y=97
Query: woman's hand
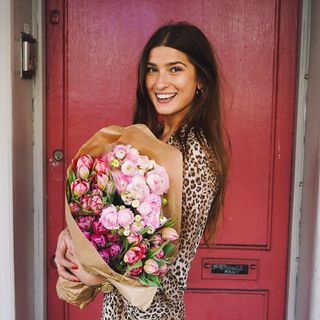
x=65, y=266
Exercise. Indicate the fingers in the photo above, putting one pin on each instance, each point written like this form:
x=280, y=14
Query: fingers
x=66, y=274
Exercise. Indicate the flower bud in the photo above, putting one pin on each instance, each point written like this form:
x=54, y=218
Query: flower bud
x=98, y=228
x=83, y=172
x=114, y=249
x=151, y=267
x=84, y=223
x=79, y=187
x=85, y=160
x=102, y=181
x=96, y=204
x=74, y=207
x=100, y=166
x=85, y=202
x=169, y=234
x=163, y=270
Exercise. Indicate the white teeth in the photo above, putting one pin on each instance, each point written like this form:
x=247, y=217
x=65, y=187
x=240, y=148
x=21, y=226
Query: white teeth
x=165, y=95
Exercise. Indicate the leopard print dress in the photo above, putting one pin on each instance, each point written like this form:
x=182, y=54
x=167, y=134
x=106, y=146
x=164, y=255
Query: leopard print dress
x=199, y=189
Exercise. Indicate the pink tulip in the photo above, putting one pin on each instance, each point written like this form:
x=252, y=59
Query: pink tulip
x=79, y=187
x=151, y=267
x=113, y=237
x=163, y=270
x=85, y=160
x=100, y=166
x=104, y=253
x=169, y=234
x=98, y=228
x=134, y=238
x=125, y=217
x=83, y=172
x=96, y=204
x=84, y=222
x=96, y=191
x=102, y=181
x=85, y=202
x=74, y=207
x=134, y=254
x=99, y=239
x=135, y=272
x=87, y=234
x=160, y=254
x=157, y=239
x=114, y=249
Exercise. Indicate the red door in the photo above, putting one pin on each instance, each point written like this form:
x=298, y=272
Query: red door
x=92, y=51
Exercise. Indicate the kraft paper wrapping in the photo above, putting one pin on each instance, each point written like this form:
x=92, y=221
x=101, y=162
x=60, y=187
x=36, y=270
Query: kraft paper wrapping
x=139, y=295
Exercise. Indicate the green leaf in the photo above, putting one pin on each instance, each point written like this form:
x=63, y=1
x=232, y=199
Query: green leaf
x=136, y=265
x=168, y=248
x=170, y=222
x=152, y=253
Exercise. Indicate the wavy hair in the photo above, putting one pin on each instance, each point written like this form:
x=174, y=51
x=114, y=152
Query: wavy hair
x=205, y=116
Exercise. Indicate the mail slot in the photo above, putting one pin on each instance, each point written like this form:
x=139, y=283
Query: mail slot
x=220, y=268
x=229, y=268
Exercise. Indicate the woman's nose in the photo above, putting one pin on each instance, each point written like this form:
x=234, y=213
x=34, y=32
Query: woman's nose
x=162, y=80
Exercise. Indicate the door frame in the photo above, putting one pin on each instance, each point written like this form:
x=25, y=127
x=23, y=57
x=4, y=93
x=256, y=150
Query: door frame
x=40, y=158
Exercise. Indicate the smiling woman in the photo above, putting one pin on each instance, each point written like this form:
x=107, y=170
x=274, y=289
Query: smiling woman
x=178, y=98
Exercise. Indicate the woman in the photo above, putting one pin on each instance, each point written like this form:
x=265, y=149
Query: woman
x=178, y=98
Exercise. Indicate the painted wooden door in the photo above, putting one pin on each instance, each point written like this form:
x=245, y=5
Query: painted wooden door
x=92, y=52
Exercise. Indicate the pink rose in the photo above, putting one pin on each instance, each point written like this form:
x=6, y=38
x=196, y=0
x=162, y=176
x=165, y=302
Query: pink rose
x=114, y=250
x=120, y=151
x=158, y=180
x=152, y=220
x=155, y=202
x=83, y=172
x=138, y=190
x=99, y=239
x=96, y=204
x=125, y=217
x=98, y=228
x=120, y=179
x=128, y=168
x=85, y=160
x=143, y=163
x=151, y=267
x=135, y=272
x=79, y=187
x=169, y=234
x=109, y=218
x=134, y=254
x=132, y=154
x=144, y=208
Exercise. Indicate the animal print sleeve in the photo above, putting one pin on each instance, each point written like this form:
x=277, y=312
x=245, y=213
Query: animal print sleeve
x=199, y=189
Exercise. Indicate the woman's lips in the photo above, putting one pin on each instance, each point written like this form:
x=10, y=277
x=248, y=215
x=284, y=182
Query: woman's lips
x=165, y=97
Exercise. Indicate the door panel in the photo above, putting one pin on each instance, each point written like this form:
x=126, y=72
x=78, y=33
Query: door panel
x=92, y=55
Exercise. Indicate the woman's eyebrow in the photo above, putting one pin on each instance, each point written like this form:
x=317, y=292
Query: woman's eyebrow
x=168, y=64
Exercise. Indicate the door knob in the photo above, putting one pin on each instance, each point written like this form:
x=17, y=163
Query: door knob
x=58, y=155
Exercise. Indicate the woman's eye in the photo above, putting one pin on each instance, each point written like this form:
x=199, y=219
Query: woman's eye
x=151, y=69
x=176, y=69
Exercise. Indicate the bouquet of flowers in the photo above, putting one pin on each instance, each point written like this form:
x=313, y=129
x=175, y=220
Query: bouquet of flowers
x=118, y=198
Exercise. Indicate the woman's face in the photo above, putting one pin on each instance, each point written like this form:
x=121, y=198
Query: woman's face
x=171, y=82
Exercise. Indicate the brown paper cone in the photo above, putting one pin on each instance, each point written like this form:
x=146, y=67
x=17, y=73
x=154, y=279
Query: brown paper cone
x=140, y=137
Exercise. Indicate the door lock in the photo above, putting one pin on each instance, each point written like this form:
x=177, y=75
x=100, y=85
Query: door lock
x=58, y=155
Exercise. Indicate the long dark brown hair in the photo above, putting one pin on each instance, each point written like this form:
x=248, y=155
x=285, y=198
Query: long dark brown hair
x=205, y=116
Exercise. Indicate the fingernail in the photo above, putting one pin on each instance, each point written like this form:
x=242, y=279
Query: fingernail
x=76, y=280
x=74, y=267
